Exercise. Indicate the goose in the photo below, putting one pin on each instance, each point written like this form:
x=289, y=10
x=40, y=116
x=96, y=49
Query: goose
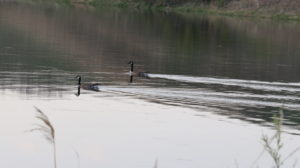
x=139, y=74
x=93, y=87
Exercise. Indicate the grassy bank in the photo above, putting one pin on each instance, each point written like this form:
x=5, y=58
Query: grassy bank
x=255, y=12
x=55, y=3
x=241, y=8
x=281, y=10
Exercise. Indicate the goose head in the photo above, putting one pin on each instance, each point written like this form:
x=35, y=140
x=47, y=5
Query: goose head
x=131, y=65
x=79, y=79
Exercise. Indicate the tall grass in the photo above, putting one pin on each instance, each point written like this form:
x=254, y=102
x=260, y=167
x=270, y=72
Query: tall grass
x=273, y=145
x=274, y=148
x=47, y=129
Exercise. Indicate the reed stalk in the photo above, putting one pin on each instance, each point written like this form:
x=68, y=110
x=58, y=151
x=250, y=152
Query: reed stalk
x=273, y=144
x=47, y=129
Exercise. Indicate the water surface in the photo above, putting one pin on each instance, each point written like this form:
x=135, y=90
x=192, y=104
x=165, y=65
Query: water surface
x=215, y=84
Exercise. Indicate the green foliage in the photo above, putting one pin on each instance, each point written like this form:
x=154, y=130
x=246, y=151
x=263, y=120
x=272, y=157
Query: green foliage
x=109, y=3
x=273, y=145
x=274, y=149
x=220, y=3
x=123, y=5
x=56, y=3
x=66, y=2
x=100, y=3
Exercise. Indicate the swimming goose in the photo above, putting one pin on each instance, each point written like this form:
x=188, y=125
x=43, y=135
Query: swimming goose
x=140, y=74
x=93, y=87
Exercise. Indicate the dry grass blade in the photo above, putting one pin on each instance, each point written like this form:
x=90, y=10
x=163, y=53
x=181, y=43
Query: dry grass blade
x=156, y=163
x=78, y=158
x=47, y=129
x=291, y=154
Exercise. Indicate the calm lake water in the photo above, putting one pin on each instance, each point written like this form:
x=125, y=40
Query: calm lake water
x=215, y=84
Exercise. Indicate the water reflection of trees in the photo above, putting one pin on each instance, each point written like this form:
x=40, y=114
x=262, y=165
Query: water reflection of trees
x=195, y=45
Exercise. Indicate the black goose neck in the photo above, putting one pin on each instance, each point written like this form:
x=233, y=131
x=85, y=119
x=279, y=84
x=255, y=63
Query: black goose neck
x=79, y=80
x=131, y=68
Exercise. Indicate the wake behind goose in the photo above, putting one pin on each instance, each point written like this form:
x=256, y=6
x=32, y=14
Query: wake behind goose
x=252, y=84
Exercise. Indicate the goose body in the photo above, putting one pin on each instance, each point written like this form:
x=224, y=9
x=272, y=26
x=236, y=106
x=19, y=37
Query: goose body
x=93, y=86
x=143, y=74
x=139, y=74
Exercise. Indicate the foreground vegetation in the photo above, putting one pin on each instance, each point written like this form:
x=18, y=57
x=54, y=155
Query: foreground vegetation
x=273, y=144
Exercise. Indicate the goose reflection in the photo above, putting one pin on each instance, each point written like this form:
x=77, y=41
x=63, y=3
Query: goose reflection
x=131, y=71
x=78, y=91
